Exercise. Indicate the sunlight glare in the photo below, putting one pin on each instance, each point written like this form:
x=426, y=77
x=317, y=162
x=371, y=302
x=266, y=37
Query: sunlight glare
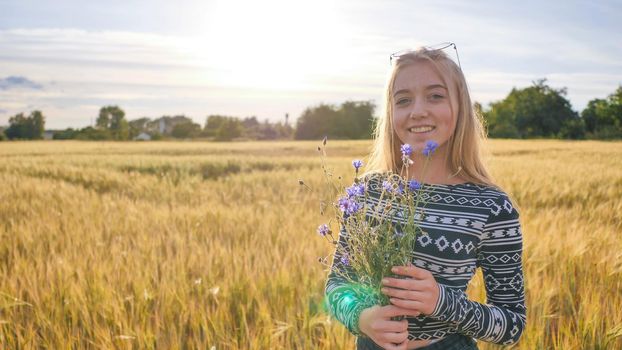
x=272, y=44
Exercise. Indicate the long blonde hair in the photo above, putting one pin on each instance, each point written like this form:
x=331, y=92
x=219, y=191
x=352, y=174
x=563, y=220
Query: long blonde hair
x=464, y=145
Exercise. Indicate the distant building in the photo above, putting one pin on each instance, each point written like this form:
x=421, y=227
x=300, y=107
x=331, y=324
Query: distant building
x=49, y=134
x=143, y=136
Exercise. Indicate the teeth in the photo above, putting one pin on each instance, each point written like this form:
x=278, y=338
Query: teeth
x=421, y=129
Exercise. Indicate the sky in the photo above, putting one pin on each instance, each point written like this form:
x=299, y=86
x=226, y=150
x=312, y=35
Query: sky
x=242, y=58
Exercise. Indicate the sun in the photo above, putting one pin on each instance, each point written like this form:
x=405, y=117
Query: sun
x=271, y=44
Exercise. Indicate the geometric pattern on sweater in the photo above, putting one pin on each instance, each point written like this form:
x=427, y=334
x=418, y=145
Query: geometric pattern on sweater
x=468, y=226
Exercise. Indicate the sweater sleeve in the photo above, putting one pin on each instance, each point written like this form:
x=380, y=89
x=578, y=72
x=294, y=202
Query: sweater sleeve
x=346, y=298
x=503, y=319
x=344, y=306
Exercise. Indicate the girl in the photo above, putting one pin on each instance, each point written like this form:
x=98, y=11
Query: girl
x=470, y=222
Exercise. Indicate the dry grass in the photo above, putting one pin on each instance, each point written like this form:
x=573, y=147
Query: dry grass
x=193, y=245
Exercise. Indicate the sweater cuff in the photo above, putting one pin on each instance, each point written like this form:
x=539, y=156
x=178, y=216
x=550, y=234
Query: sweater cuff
x=354, y=325
x=441, y=304
x=347, y=302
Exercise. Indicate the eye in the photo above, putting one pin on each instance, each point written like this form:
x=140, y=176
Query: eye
x=437, y=97
x=402, y=101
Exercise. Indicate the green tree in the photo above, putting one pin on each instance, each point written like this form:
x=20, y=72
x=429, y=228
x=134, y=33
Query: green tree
x=38, y=125
x=603, y=117
x=91, y=133
x=356, y=120
x=250, y=122
x=252, y=128
x=122, y=130
x=213, y=123
x=573, y=129
x=352, y=120
x=536, y=111
x=28, y=128
x=18, y=127
x=229, y=129
x=66, y=134
x=112, y=118
x=186, y=130
x=317, y=122
x=592, y=114
x=284, y=131
x=267, y=131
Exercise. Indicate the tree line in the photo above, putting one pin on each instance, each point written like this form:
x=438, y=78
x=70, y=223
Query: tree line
x=540, y=111
x=537, y=111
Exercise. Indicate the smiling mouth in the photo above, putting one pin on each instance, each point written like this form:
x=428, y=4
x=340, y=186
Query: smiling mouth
x=421, y=129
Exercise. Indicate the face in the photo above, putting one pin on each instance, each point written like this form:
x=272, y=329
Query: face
x=421, y=107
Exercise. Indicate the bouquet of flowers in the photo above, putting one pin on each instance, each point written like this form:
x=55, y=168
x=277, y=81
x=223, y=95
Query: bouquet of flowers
x=376, y=233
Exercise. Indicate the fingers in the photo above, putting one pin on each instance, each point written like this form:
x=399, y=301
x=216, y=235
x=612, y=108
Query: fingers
x=419, y=279
x=391, y=334
x=391, y=340
x=390, y=326
x=393, y=346
x=408, y=283
x=392, y=311
x=395, y=338
x=403, y=294
x=419, y=291
x=411, y=271
x=407, y=304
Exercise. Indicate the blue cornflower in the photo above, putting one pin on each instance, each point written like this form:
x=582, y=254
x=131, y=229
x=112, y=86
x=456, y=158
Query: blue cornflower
x=407, y=150
x=357, y=164
x=400, y=188
x=323, y=230
x=413, y=185
x=356, y=190
x=345, y=259
x=348, y=205
x=430, y=147
x=387, y=185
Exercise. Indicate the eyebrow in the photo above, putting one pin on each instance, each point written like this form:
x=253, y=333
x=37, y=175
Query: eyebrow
x=429, y=87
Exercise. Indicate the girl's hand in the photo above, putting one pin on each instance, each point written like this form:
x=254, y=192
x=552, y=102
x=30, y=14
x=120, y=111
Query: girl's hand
x=376, y=323
x=419, y=292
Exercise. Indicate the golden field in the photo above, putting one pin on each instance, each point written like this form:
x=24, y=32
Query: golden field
x=193, y=245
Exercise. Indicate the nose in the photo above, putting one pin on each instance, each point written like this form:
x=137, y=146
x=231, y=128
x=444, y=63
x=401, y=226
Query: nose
x=419, y=109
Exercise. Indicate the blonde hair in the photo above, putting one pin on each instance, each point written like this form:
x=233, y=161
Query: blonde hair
x=464, y=145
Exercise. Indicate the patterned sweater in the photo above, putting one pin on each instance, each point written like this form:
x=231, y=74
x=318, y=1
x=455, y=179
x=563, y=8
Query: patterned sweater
x=468, y=226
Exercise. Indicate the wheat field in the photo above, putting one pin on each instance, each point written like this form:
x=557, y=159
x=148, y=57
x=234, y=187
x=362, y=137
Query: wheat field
x=195, y=245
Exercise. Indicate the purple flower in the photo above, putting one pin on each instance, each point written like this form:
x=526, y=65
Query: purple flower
x=348, y=205
x=430, y=147
x=413, y=185
x=400, y=188
x=387, y=185
x=357, y=164
x=345, y=259
x=407, y=150
x=356, y=190
x=323, y=230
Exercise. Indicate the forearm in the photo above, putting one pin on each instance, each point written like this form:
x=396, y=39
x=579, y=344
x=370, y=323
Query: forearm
x=491, y=323
x=346, y=301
